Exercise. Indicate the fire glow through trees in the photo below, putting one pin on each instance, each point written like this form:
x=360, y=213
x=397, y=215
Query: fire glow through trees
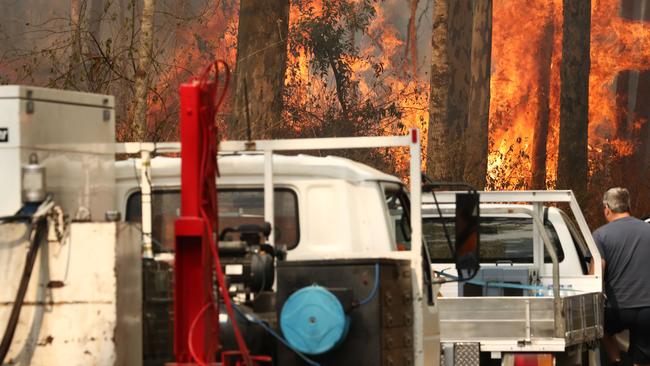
x=525, y=81
x=525, y=77
x=391, y=70
x=525, y=84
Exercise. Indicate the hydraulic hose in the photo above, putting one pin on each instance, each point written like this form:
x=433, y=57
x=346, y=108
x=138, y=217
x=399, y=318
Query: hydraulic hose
x=37, y=233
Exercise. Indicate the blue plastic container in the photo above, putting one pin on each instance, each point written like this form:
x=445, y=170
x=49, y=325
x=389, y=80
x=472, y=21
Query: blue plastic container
x=313, y=321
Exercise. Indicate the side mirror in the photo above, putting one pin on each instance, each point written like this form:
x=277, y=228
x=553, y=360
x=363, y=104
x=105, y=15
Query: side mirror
x=467, y=235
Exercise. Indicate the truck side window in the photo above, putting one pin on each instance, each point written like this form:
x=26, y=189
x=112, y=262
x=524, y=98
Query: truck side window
x=236, y=207
x=246, y=206
x=165, y=207
x=502, y=239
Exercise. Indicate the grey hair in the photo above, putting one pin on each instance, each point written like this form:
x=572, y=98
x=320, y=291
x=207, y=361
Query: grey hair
x=617, y=199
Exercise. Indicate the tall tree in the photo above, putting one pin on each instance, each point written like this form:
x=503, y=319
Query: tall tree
x=438, y=131
x=77, y=16
x=540, y=130
x=95, y=16
x=411, y=50
x=476, y=145
x=260, y=69
x=450, y=82
x=574, y=98
x=145, y=55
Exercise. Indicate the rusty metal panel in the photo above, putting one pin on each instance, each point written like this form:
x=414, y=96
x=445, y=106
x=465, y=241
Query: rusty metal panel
x=71, y=314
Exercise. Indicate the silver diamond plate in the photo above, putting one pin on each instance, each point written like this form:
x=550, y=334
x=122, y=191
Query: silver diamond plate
x=466, y=354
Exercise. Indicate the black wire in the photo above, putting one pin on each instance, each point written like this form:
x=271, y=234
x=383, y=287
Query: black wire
x=7, y=338
x=426, y=266
x=15, y=218
x=251, y=318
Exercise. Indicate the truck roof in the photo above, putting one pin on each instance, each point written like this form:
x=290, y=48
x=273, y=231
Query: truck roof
x=246, y=165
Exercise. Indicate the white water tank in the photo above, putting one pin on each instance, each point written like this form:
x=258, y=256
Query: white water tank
x=73, y=136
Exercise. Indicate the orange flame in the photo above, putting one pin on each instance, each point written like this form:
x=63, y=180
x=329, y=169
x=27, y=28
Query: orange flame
x=617, y=44
x=384, y=44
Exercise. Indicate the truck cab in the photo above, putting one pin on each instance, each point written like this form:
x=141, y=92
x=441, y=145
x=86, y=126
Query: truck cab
x=324, y=206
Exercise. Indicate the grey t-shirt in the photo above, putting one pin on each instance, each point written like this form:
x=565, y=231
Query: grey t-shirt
x=625, y=246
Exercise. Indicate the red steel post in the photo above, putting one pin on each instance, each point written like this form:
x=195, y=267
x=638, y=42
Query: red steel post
x=193, y=261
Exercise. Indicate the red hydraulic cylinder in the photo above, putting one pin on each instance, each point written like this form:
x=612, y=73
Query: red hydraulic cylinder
x=193, y=260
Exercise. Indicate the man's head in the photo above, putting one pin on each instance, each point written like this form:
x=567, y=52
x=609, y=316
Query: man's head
x=616, y=202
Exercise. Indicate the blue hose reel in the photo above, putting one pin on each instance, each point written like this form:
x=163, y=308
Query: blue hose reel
x=313, y=320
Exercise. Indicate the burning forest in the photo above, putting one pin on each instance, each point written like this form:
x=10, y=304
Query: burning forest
x=486, y=81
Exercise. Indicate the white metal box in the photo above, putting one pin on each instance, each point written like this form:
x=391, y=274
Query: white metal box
x=73, y=135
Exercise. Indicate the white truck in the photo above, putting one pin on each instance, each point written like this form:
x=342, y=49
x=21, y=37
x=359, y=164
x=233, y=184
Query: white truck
x=534, y=295
x=329, y=207
x=322, y=209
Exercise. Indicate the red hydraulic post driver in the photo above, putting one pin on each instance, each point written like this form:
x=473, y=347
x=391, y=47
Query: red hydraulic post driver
x=195, y=309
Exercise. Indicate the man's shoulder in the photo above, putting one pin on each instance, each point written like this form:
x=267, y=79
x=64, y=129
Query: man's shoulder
x=601, y=234
x=601, y=231
x=623, y=221
x=621, y=226
x=629, y=223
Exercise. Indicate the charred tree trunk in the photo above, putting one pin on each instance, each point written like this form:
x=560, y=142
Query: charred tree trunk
x=479, y=96
x=145, y=55
x=341, y=86
x=438, y=131
x=540, y=131
x=574, y=98
x=411, y=50
x=450, y=81
x=460, y=43
x=261, y=65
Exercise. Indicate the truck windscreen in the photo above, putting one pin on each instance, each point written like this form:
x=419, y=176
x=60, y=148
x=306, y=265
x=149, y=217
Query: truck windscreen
x=503, y=239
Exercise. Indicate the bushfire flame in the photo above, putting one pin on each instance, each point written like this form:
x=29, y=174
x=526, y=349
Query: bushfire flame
x=526, y=80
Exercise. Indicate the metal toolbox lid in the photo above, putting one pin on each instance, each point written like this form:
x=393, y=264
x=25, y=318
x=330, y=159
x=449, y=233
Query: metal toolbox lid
x=56, y=96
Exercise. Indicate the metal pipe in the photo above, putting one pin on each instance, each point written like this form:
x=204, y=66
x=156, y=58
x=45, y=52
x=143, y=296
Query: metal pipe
x=538, y=249
x=269, y=214
x=416, y=245
x=327, y=143
x=557, y=300
x=528, y=323
x=145, y=194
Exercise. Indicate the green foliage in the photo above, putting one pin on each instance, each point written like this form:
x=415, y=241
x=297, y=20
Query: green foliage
x=328, y=34
x=329, y=37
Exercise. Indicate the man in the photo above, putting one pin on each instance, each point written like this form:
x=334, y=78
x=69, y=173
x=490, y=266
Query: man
x=624, y=244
